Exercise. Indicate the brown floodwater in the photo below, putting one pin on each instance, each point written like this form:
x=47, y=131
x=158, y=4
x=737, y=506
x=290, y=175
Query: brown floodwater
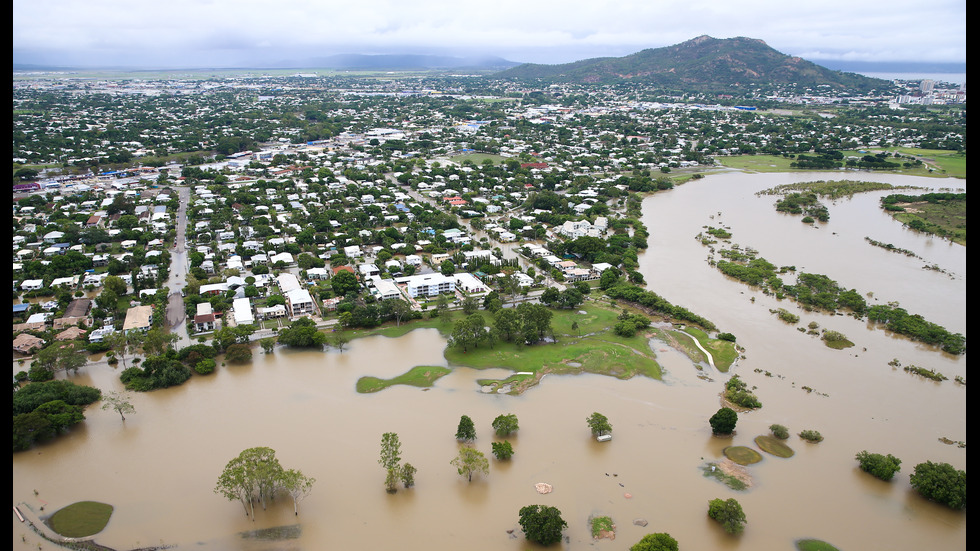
x=158, y=468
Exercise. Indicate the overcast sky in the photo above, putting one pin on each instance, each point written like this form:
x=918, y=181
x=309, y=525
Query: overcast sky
x=241, y=33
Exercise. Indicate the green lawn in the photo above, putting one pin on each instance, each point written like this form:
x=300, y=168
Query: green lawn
x=945, y=163
x=420, y=376
x=81, y=519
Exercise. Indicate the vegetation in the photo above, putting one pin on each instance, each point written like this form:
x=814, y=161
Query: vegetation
x=81, y=519
x=835, y=340
x=44, y=410
x=723, y=421
x=599, y=424
x=256, y=475
x=742, y=455
x=391, y=449
x=811, y=435
x=119, y=403
x=878, y=465
x=940, y=482
x=728, y=513
x=542, y=524
x=779, y=431
x=470, y=461
x=505, y=425
x=736, y=392
x=466, y=430
x=600, y=525
x=419, y=376
x=502, y=450
x=814, y=545
x=655, y=542
x=942, y=214
x=774, y=446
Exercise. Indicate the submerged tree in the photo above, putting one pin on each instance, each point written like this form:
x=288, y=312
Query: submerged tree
x=297, y=485
x=255, y=473
x=470, y=461
x=465, y=431
x=391, y=450
x=119, y=403
x=599, y=424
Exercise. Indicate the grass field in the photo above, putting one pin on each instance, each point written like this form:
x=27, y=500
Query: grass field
x=81, y=519
x=943, y=163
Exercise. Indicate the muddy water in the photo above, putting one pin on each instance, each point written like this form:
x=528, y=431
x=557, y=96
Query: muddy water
x=159, y=467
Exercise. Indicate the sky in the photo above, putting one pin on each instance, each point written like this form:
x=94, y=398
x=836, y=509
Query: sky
x=252, y=33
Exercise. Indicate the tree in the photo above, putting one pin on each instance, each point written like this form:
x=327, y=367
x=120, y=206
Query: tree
x=399, y=309
x=60, y=357
x=502, y=450
x=470, y=461
x=465, y=430
x=339, y=340
x=940, y=482
x=408, y=475
x=447, y=268
x=254, y=473
x=238, y=353
x=504, y=425
x=156, y=341
x=297, y=485
x=344, y=282
x=723, y=421
x=655, y=542
x=268, y=344
x=391, y=449
x=302, y=333
x=599, y=424
x=118, y=402
x=878, y=465
x=728, y=513
x=541, y=524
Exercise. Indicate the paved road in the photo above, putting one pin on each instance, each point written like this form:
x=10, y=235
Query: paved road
x=178, y=274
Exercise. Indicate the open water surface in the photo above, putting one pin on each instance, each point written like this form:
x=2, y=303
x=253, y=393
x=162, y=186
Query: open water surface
x=158, y=468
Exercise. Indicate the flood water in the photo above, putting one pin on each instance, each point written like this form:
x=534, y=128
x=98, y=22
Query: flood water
x=159, y=467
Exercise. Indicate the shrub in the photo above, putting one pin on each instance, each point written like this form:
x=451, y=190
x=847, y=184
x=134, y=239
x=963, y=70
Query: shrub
x=205, y=367
x=881, y=466
x=811, y=435
x=655, y=542
x=940, y=482
x=542, y=524
x=502, y=450
x=779, y=431
x=723, y=421
x=728, y=513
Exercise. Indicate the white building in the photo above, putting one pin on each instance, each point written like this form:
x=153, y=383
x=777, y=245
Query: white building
x=428, y=285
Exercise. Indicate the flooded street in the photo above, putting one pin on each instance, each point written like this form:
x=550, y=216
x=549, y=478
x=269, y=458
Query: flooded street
x=158, y=469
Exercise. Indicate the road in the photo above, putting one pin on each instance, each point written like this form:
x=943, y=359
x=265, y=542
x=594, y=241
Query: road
x=176, y=312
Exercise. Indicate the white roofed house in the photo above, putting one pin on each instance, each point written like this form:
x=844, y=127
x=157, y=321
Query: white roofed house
x=204, y=319
x=299, y=302
x=385, y=289
x=470, y=284
x=428, y=285
x=242, y=309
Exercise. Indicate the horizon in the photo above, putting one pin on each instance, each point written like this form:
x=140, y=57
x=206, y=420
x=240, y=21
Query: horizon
x=246, y=33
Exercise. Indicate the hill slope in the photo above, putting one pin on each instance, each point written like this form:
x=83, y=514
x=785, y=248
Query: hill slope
x=703, y=63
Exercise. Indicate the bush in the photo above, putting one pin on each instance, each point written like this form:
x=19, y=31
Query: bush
x=779, y=431
x=723, y=421
x=542, y=524
x=728, y=513
x=811, y=435
x=881, y=466
x=655, y=542
x=726, y=337
x=502, y=450
x=940, y=482
x=205, y=367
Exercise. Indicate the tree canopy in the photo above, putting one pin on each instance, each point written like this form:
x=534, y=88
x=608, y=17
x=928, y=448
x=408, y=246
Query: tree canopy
x=940, y=482
x=542, y=524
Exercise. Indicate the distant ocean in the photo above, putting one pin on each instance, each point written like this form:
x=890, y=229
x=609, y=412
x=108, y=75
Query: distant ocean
x=952, y=78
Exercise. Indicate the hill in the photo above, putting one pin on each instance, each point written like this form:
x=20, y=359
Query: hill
x=703, y=63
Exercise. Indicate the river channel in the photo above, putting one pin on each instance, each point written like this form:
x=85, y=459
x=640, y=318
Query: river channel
x=158, y=468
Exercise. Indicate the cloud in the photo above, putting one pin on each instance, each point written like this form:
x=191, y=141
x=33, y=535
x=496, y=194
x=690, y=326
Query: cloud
x=543, y=31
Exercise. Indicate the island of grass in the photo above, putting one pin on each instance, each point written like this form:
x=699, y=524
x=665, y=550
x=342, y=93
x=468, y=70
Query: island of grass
x=742, y=455
x=582, y=340
x=773, y=446
x=942, y=214
x=81, y=519
x=419, y=376
x=814, y=545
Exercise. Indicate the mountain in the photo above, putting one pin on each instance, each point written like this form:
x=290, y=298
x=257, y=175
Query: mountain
x=703, y=63
x=396, y=62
